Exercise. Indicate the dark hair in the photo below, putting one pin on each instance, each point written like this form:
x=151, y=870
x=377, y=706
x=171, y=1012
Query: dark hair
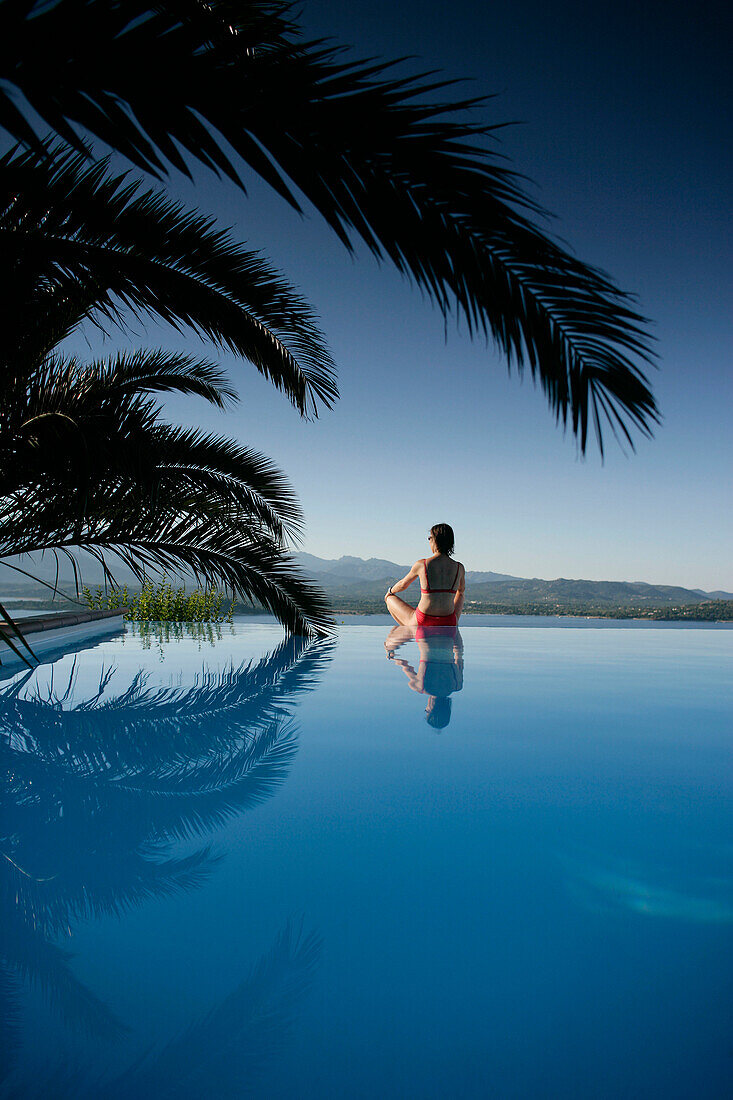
x=439, y=716
x=444, y=537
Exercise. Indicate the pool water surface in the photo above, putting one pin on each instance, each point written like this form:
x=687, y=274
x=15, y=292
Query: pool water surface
x=498, y=866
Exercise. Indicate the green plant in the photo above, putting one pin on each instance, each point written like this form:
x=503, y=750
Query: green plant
x=162, y=603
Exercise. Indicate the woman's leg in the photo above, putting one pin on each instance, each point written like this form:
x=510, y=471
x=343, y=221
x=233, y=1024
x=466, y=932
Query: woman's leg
x=400, y=611
x=397, y=637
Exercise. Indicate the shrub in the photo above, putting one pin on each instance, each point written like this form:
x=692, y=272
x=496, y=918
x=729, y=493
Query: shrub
x=163, y=603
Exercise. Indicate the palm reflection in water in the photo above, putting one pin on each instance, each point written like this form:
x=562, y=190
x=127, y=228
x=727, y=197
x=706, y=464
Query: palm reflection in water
x=440, y=670
x=94, y=795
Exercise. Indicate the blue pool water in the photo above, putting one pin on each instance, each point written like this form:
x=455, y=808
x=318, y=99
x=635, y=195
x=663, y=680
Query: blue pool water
x=237, y=867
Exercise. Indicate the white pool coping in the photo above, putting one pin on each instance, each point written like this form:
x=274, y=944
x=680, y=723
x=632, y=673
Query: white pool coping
x=56, y=633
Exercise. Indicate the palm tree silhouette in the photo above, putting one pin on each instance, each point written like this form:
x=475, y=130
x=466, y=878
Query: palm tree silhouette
x=81, y=243
x=383, y=157
x=86, y=463
x=225, y=1053
x=95, y=792
x=229, y=1049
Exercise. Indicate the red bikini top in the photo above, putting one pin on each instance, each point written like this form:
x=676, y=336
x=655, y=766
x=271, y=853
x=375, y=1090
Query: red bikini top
x=429, y=589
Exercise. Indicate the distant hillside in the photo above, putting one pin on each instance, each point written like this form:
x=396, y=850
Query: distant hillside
x=350, y=571
x=353, y=583
x=43, y=566
x=355, y=579
x=17, y=588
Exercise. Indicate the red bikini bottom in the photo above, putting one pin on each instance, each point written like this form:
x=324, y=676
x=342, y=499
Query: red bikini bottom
x=446, y=622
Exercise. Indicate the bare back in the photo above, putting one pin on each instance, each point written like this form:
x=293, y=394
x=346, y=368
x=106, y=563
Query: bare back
x=440, y=579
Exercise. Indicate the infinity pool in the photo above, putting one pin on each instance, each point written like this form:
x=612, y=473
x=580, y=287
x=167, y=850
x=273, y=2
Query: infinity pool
x=492, y=867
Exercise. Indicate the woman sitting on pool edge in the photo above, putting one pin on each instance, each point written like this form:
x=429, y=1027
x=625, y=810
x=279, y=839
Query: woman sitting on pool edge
x=442, y=586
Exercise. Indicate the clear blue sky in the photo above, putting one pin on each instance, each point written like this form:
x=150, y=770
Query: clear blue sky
x=625, y=134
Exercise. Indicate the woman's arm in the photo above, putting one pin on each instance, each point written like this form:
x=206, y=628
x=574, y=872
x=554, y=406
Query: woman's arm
x=400, y=586
x=460, y=595
x=410, y=673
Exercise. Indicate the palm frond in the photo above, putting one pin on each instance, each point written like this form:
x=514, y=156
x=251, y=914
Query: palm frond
x=158, y=37
x=12, y=632
x=239, y=556
x=152, y=371
x=229, y=1049
x=195, y=463
x=87, y=465
x=91, y=887
x=246, y=562
x=140, y=768
x=46, y=966
x=99, y=409
x=384, y=158
x=140, y=729
x=79, y=243
x=226, y=1053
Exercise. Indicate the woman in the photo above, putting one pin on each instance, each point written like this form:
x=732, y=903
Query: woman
x=442, y=586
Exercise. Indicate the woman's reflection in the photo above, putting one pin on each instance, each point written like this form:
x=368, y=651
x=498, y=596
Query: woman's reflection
x=440, y=670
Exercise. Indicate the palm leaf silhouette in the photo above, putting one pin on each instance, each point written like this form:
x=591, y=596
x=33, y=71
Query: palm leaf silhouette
x=226, y=1053
x=87, y=464
x=384, y=158
x=80, y=243
x=95, y=792
x=33, y=959
x=142, y=769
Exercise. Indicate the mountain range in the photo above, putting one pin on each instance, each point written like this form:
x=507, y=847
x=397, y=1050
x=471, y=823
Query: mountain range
x=351, y=581
x=357, y=579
